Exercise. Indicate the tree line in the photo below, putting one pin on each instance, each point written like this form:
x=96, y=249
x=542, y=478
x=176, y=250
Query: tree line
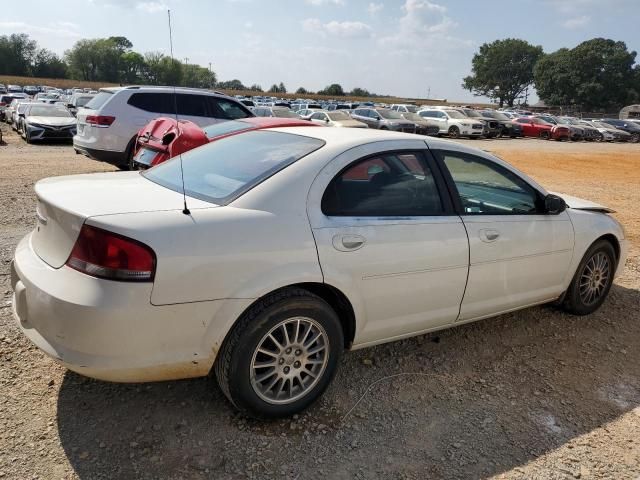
x=598, y=74
x=113, y=60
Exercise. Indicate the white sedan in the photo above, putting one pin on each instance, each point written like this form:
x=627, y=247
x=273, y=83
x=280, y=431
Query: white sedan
x=294, y=245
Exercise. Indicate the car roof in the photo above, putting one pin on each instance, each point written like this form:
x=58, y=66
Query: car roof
x=271, y=122
x=350, y=137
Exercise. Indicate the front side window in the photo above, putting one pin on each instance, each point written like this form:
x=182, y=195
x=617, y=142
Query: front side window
x=318, y=116
x=389, y=184
x=223, y=170
x=486, y=188
x=224, y=108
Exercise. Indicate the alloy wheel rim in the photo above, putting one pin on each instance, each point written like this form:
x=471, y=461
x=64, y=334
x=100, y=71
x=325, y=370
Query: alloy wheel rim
x=289, y=360
x=594, y=278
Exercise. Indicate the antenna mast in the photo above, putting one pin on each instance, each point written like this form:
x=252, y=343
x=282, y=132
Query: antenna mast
x=185, y=210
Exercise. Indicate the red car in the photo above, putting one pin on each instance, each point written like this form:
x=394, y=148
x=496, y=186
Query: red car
x=536, y=127
x=164, y=138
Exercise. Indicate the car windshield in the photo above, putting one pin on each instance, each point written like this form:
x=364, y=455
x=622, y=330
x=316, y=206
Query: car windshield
x=284, y=113
x=338, y=116
x=472, y=113
x=44, y=111
x=389, y=114
x=223, y=128
x=221, y=171
x=82, y=101
x=455, y=114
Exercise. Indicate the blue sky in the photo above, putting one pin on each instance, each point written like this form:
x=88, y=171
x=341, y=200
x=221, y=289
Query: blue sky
x=401, y=47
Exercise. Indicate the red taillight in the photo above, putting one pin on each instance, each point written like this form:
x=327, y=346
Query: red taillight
x=100, y=120
x=104, y=254
x=3, y=104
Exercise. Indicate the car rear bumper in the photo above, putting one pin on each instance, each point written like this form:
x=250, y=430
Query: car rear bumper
x=110, y=330
x=107, y=156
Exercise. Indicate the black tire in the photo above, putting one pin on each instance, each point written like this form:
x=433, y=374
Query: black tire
x=131, y=148
x=454, y=132
x=575, y=300
x=544, y=135
x=233, y=367
x=635, y=138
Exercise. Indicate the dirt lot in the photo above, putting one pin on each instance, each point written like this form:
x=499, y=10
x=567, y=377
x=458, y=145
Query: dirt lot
x=534, y=394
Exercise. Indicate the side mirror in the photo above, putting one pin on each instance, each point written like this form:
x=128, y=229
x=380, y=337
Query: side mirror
x=326, y=120
x=554, y=204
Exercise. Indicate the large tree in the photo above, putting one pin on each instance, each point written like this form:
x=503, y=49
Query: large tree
x=597, y=74
x=335, y=90
x=502, y=70
x=17, y=53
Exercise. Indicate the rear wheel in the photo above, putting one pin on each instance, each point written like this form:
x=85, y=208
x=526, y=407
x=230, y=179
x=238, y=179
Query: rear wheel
x=454, y=132
x=131, y=149
x=281, y=355
x=592, y=281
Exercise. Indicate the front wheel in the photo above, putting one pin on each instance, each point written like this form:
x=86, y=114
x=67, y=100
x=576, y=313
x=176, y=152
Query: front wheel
x=635, y=138
x=454, y=132
x=281, y=355
x=592, y=281
x=544, y=135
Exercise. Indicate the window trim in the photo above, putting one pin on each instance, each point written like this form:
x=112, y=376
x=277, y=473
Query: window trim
x=425, y=158
x=454, y=195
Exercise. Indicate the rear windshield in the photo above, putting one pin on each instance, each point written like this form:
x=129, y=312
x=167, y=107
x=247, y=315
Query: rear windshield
x=389, y=114
x=99, y=100
x=221, y=171
x=222, y=128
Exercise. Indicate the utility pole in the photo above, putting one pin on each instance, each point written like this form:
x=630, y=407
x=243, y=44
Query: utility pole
x=186, y=60
x=428, y=93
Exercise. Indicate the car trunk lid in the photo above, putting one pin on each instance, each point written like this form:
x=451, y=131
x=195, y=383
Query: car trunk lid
x=64, y=203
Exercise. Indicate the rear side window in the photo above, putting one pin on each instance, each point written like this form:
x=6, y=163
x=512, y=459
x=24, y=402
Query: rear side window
x=99, y=100
x=153, y=102
x=192, y=105
x=390, y=184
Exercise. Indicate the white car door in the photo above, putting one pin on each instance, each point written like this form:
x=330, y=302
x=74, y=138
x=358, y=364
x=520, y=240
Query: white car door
x=519, y=255
x=389, y=239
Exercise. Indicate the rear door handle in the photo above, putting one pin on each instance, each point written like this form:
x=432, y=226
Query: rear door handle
x=489, y=235
x=348, y=243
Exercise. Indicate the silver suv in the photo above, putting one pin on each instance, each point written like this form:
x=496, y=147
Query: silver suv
x=383, y=119
x=109, y=123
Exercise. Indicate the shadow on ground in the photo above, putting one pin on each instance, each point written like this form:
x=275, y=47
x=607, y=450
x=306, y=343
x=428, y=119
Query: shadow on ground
x=503, y=392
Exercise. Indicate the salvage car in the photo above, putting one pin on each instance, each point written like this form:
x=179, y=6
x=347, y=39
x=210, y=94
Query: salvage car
x=164, y=138
x=383, y=119
x=263, y=256
x=538, y=128
x=454, y=123
x=626, y=126
x=47, y=122
x=279, y=112
x=424, y=126
x=336, y=118
x=509, y=128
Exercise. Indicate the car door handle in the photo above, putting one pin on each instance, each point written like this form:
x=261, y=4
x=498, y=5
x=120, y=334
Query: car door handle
x=348, y=243
x=488, y=235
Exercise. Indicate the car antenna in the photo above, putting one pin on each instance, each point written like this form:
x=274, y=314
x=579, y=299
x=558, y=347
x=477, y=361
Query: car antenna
x=185, y=210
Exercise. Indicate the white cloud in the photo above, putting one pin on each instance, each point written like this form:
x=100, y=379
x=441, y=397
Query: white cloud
x=59, y=29
x=374, y=8
x=423, y=22
x=152, y=7
x=339, y=29
x=318, y=3
x=576, y=22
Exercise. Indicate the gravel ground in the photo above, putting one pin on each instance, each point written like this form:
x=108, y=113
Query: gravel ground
x=533, y=394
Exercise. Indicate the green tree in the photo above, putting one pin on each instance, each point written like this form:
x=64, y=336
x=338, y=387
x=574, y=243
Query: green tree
x=597, y=74
x=503, y=69
x=132, y=66
x=161, y=69
x=360, y=92
x=274, y=89
x=302, y=91
x=17, y=53
x=282, y=88
x=256, y=88
x=334, y=90
x=48, y=64
x=234, y=84
x=83, y=59
x=196, y=76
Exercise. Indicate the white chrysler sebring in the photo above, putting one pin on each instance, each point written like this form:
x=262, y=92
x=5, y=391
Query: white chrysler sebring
x=297, y=244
